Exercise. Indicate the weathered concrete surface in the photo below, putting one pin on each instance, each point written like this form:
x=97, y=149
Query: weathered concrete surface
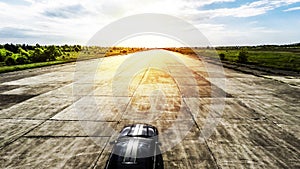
x=50, y=120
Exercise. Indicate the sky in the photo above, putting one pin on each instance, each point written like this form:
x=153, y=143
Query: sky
x=222, y=22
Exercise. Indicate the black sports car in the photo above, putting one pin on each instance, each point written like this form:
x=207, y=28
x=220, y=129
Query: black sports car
x=137, y=147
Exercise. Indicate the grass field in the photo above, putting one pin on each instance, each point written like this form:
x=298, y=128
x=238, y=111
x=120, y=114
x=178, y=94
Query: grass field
x=276, y=57
x=4, y=69
x=87, y=53
x=286, y=60
x=71, y=57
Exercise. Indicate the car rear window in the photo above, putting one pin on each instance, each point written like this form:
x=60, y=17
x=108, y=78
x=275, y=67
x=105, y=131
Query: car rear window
x=130, y=131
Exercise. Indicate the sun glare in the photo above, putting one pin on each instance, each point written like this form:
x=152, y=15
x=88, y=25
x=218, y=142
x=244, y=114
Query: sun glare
x=150, y=41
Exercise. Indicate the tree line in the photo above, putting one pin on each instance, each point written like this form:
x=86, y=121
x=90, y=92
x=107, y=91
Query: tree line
x=16, y=54
x=261, y=47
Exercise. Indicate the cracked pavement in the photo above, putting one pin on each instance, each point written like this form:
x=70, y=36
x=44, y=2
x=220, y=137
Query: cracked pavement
x=64, y=116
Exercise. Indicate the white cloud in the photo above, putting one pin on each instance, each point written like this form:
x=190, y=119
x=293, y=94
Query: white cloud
x=292, y=9
x=248, y=34
x=248, y=10
x=81, y=19
x=75, y=21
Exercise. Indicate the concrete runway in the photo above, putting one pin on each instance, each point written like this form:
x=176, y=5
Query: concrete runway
x=64, y=116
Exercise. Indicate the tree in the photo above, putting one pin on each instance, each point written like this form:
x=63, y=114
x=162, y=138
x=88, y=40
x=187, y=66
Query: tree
x=21, y=59
x=10, y=60
x=11, y=47
x=52, y=52
x=243, y=57
x=38, y=55
x=222, y=56
x=77, y=48
x=2, y=55
x=66, y=48
x=24, y=47
x=29, y=47
x=23, y=52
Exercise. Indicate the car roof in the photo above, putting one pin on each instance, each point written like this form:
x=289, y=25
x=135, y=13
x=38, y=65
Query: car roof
x=142, y=130
x=134, y=147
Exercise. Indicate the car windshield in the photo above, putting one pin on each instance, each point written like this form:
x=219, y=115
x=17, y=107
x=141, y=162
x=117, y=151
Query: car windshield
x=134, y=131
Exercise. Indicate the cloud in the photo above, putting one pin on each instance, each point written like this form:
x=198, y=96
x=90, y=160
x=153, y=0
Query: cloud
x=66, y=12
x=10, y=32
x=248, y=34
x=31, y=36
x=292, y=9
x=248, y=10
x=75, y=21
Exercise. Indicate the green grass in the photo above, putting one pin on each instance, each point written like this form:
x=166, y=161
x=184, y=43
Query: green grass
x=69, y=57
x=4, y=69
x=278, y=57
x=92, y=53
x=285, y=60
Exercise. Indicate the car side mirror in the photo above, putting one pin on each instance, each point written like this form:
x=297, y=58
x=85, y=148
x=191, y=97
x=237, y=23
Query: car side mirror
x=158, y=143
